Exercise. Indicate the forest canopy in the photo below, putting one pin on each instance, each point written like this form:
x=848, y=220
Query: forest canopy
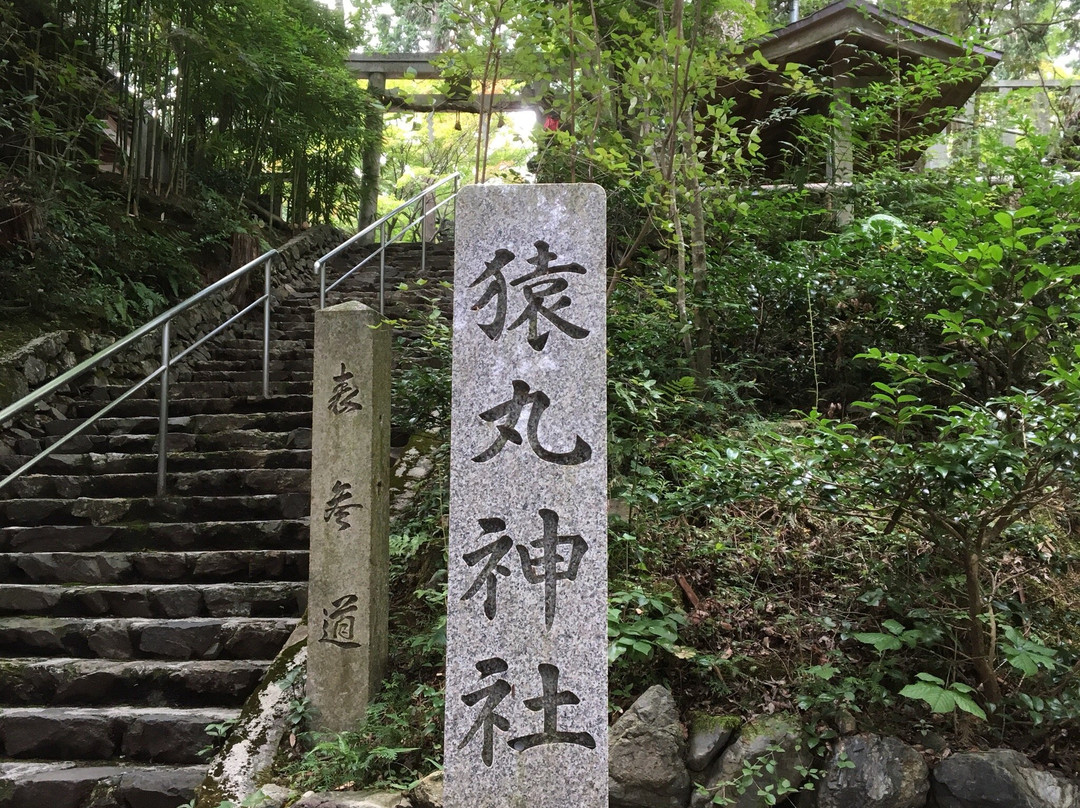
x=223, y=108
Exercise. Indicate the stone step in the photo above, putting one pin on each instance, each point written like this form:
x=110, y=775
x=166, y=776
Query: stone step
x=301, y=329
x=131, y=463
x=118, y=638
x=227, y=353
x=146, y=734
x=146, y=682
x=201, y=374
x=197, y=423
x=288, y=437
x=182, y=483
x=105, y=785
x=263, y=535
x=278, y=347
x=246, y=365
x=273, y=599
x=298, y=308
x=206, y=566
x=102, y=511
x=211, y=388
x=141, y=407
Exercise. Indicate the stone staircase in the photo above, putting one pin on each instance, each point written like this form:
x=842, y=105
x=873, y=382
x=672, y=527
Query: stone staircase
x=129, y=623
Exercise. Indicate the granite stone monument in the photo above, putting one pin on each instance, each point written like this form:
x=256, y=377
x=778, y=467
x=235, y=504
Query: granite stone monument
x=526, y=679
x=349, y=554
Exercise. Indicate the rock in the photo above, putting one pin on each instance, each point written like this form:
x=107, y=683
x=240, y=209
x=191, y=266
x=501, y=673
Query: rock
x=299, y=439
x=428, y=793
x=13, y=385
x=52, y=735
x=1000, y=778
x=872, y=771
x=934, y=741
x=253, y=744
x=80, y=344
x=352, y=799
x=708, y=736
x=100, y=511
x=35, y=371
x=110, y=641
x=48, y=346
x=749, y=764
x=158, y=737
x=845, y=723
x=646, y=754
x=271, y=795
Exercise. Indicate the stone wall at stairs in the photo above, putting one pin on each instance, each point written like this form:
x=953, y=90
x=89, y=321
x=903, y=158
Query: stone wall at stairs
x=46, y=357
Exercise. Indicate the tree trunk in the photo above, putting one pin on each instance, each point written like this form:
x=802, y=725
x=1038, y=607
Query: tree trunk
x=701, y=358
x=680, y=280
x=982, y=655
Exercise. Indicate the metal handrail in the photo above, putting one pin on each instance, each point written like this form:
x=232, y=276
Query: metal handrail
x=164, y=322
x=380, y=225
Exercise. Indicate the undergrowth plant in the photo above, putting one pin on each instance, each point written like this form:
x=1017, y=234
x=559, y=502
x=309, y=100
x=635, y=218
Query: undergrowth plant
x=964, y=445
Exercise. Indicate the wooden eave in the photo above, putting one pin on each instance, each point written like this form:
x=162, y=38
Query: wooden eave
x=839, y=42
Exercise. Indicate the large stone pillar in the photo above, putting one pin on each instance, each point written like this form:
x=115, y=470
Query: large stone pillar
x=526, y=672
x=349, y=556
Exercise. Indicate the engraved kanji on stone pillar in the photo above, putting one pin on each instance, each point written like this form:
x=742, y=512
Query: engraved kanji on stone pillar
x=350, y=467
x=526, y=672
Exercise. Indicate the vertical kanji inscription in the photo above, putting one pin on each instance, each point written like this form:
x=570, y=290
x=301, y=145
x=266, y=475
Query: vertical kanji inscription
x=526, y=673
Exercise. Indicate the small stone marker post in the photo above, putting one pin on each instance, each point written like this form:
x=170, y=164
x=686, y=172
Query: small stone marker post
x=349, y=557
x=526, y=672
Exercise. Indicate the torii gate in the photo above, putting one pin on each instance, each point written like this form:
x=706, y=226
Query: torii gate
x=378, y=67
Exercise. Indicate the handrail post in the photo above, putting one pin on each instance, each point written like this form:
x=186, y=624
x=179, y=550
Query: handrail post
x=457, y=187
x=266, y=328
x=321, y=266
x=382, y=266
x=423, y=239
x=163, y=408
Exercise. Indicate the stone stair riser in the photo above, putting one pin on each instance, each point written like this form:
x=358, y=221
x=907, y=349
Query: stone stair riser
x=279, y=599
x=205, y=566
x=112, y=638
x=109, y=683
x=147, y=735
x=131, y=463
x=67, y=785
x=158, y=536
x=237, y=482
x=103, y=511
x=144, y=407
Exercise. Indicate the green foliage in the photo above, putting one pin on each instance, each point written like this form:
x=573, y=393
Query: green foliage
x=640, y=623
x=760, y=776
x=218, y=732
x=938, y=332
x=969, y=440
x=251, y=97
x=942, y=698
x=894, y=637
x=1027, y=654
x=402, y=727
x=89, y=260
x=421, y=390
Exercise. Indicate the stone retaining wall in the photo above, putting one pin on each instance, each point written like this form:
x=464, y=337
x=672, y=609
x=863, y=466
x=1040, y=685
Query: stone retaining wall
x=49, y=355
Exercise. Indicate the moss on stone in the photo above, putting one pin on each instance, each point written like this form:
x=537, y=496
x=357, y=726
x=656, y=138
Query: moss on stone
x=212, y=791
x=704, y=722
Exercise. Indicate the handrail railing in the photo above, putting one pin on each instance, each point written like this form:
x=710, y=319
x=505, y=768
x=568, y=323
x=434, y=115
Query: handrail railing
x=380, y=225
x=164, y=322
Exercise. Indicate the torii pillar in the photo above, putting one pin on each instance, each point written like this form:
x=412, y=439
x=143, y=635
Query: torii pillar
x=371, y=159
